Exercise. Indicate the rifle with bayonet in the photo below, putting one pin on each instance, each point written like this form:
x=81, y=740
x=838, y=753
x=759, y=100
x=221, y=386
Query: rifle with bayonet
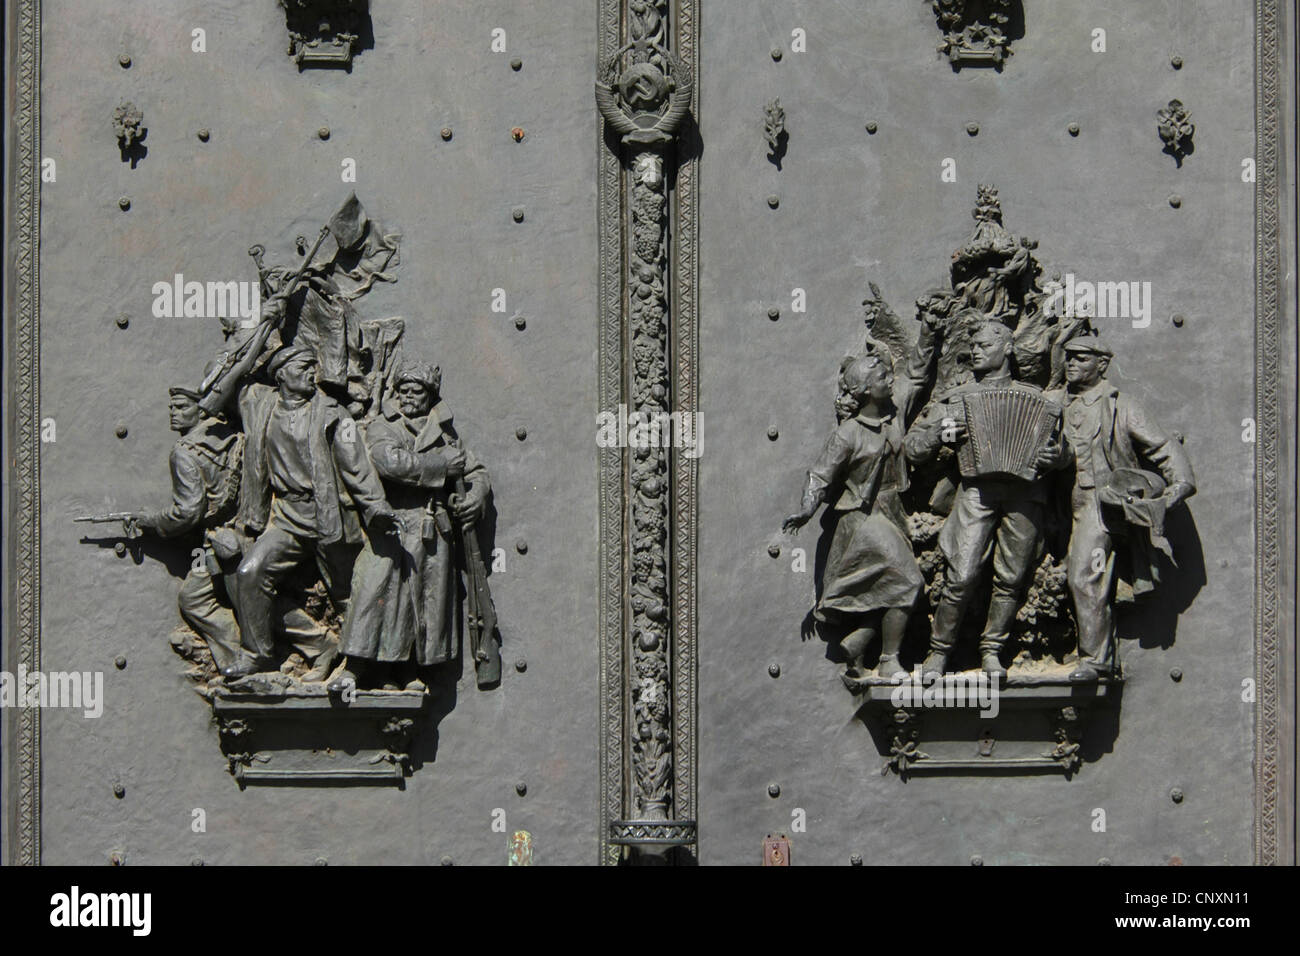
x=128, y=518
x=480, y=613
x=214, y=385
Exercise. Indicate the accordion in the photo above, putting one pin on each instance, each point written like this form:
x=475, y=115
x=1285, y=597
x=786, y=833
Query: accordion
x=1007, y=427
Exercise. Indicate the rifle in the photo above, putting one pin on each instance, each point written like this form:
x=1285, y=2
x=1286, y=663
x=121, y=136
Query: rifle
x=480, y=614
x=264, y=328
x=126, y=517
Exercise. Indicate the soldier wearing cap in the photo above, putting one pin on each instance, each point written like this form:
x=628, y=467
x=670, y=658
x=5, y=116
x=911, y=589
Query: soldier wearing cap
x=307, y=486
x=1111, y=437
x=205, y=484
x=404, y=586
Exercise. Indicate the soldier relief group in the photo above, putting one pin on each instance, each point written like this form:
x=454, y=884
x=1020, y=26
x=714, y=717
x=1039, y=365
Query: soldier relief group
x=332, y=504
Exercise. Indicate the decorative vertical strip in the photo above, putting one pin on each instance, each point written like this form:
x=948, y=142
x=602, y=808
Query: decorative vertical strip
x=24, y=455
x=644, y=92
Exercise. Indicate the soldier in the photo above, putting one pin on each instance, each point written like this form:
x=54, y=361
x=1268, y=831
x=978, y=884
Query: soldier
x=306, y=475
x=205, y=465
x=1110, y=435
x=1004, y=512
x=404, y=588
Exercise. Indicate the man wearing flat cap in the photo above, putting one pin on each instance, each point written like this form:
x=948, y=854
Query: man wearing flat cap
x=308, y=484
x=205, y=483
x=404, y=587
x=1114, y=443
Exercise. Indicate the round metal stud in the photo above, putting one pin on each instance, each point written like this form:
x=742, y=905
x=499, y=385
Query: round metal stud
x=321, y=861
x=1074, y=129
x=1104, y=861
x=120, y=549
x=119, y=662
x=124, y=62
x=323, y=132
x=119, y=791
x=773, y=434
x=855, y=859
x=123, y=320
x=1176, y=62
x=521, y=432
x=774, y=201
x=1177, y=674
x=1176, y=795
x=516, y=64
x=774, y=550
x=1177, y=319
x=774, y=669
x=973, y=129
x=116, y=859
x=120, y=431
x=977, y=860
x=777, y=54
x=197, y=861
x=521, y=545
x=774, y=790
x=871, y=128
x=204, y=134
x=774, y=313
x=124, y=203
x=517, y=133
x=1175, y=200
x=445, y=132
x=521, y=323
x=521, y=788
x=517, y=214
x=447, y=861
x=521, y=665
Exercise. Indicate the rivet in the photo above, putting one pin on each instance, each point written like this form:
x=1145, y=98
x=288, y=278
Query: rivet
x=120, y=549
x=774, y=313
x=123, y=320
x=521, y=323
x=197, y=861
x=855, y=859
x=776, y=54
x=516, y=64
x=124, y=203
x=447, y=861
x=1177, y=319
x=774, y=790
x=1176, y=795
x=774, y=550
x=120, y=431
x=871, y=128
x=1104, y=861
x=119, y=662
x=521, y=788
x=1074, y=129
x=521, y=665
x=1176, y=62
x=774, y=669
x=1176, y=673
x=323, y=132
x=1175, y=200
x=124, y=61
x=521, y=545
x=521, y=432
x=773, y=434
x=445, y=132
x=973, y=129
x=320, y=861
x=119, y=791
x=116, y=859
x=518, y=133
x=204, y=134
x=517, y=214
x=774, y=201
x=977, y=860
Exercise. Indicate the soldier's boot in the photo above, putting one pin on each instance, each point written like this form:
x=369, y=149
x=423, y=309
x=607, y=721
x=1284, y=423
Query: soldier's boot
x=1086, y=672
x=943, y=635
x=321, y=668
x=1002, y=611
x=891, y=640
x=348, y=677
x=247, y=664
